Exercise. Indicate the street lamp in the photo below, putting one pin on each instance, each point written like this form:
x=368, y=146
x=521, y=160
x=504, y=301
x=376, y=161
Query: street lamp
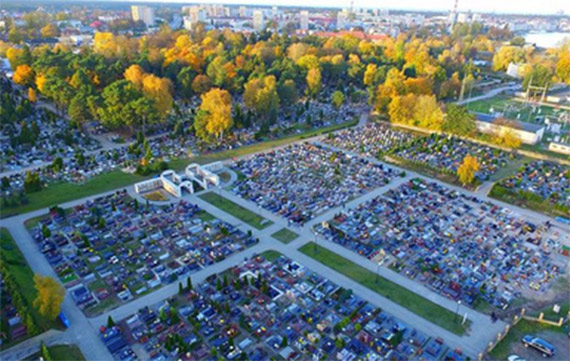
x=457, y=310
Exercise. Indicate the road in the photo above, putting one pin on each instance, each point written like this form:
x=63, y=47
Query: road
x=84, y=331
x=489, y=94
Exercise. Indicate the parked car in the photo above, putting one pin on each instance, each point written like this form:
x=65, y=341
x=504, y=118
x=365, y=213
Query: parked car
x=538, y=344
x=515, y=358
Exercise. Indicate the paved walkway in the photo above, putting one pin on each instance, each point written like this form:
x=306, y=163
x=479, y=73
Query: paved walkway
x=84, y=331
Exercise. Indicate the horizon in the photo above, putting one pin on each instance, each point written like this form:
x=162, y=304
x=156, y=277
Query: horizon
x=524, y=7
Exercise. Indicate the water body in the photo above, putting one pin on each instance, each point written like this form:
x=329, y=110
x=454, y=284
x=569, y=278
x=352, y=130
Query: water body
x=546, y=40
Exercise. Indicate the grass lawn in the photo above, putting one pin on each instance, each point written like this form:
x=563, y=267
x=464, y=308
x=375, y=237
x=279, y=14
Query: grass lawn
x=61, y=353
x=236, y=210
x=59, y=193
x=271, y=255
x=284, y=235
x=13, y=259
x=524, y=327
x=400, y=295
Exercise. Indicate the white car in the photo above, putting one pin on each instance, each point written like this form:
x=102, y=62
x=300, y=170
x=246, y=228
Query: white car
x=515, y=358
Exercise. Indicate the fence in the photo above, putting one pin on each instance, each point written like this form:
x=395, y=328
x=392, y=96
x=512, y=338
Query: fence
x=516, y=319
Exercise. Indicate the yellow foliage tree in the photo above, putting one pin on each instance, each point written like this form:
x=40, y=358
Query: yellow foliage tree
x=50, y=31
x=427, y=113
x=40, y=82
x=135, y=74
x=50, y=296
x=158, y=89
x=24, y=75
x=105, y=44
x=314, y=81
x=467, y=169
x=215, y=115
x=32, y=95
x=401, y=109
x=369, y=74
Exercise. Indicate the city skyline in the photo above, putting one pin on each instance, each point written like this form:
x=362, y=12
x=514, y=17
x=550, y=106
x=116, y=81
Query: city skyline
x=549, y=7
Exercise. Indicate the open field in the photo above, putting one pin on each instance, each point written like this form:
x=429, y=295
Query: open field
x=236, y=210
x=400, y=295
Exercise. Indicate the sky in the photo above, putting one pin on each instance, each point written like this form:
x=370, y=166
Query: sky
x=547, y=7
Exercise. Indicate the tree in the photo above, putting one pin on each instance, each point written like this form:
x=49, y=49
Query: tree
x=50, y=296
x=57, y=164
x=189, y=283
x=287, y=91
x=159, y=90
x=201, y=84
x=401, y=109
x=337, y=99
x=24, y=75
x=50, y=31
x=215, y=114
x=32, y=182
x=563, y=65
x=506, y=55
x=32, y=97
x=539, y=75
x=427, y=113
x=458, y=121
x=135, y=74
x=110, y=322
x=314, y=82
x=467, y=169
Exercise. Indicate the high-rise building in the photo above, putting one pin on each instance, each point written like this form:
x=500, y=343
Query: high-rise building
x=342, y=19
x=304, y=20
x=242, y=12
x=143, y=13
x=197, y=14
x=258, y=20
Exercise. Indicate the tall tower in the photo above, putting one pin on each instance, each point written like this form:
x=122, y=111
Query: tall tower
x=453, y=15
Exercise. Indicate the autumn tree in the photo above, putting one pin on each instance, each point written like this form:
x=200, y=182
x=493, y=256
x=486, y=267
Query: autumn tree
x=201, y=84
x=314, y=81
x=287, y=91
x=135, y=74
x=466, y=171
x=50, y=296
x=563, y=65
x=507, y=54
x=159, y=90
x=427, y=113
x=401, y=109
x=32, y=97
x=24, y=75
x=215, y=114
x=49, y=31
